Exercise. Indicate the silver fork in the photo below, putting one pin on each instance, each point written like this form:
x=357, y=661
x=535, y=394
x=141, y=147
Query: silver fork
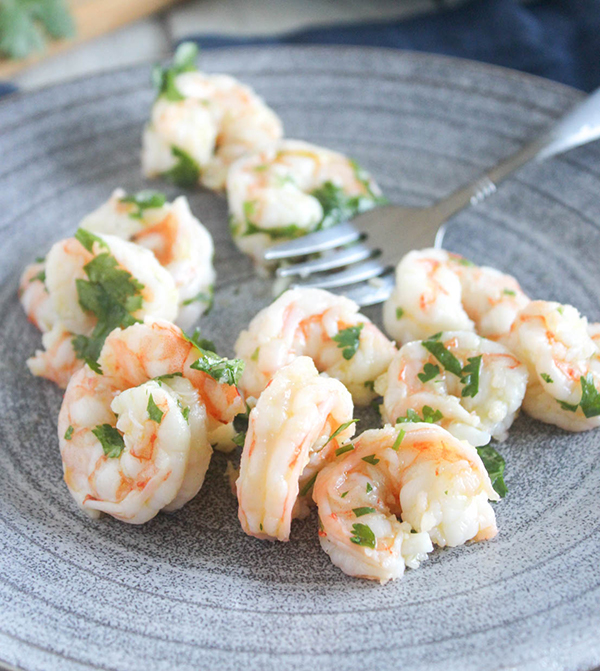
x=369, y=246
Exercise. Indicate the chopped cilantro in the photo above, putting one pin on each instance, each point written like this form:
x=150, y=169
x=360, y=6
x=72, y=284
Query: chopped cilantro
x=369, y=488
x=161, y=378
x=430, y=416
x=371, y=459
x=111, y=440
x=154, y=412
x=365, y=510
x=430, y=371
x=399, y=439
x=411, y=416
x=341, y=427
x=443, y=355
x=308, y=485
x=363, y=535
x=227, y=371
x=255, y=354
x=494, y=465
x=198, y=341
x=276, y=232
x=348, y=340
x=144, y=200
x=546, y=378
x=590, y=398
x=509, y=292
x=569, y=407
x=69, y=433
x=343, y=449
x=239, y=439
x=163, y=79
x=207, y=297
x=369, y=384
x=88, y=239
x=464, y=262
x=560, y=309
x=186, y=413
x=338, y=206
x=185, y=172
x=399, y=313
x=112, y=295
x=343, y=495
x=470, y=376
x=39, y=277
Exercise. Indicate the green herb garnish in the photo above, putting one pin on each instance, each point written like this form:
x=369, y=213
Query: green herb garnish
x=144, y=200
x=399, y=313
x=509, y=292
x=590, y=398
x=207, y=297
x=163, y=79
x=369, y=384
x=546, y=378
x=399, y=439
x=411, y=416
x=154, y=412
x=430, y=371
x=227, y=371
x=69, y=433
x=39, y=277
x=470, y=376
x=88, y=239
x=443, y=355
x=186, y=413
x=110, y=439
x=341, y=427
x=338, y=206
x=343, y=449
x=494, y=465
x=359, y=512
x=239, y=439
x=161, y=378
x=185, y=172
x=343, y=495
x=569, y=407
x=308, y=485
x=348, y=340
x=363, y=535
x=371, y=459
x=369, y=488
x=198, y=341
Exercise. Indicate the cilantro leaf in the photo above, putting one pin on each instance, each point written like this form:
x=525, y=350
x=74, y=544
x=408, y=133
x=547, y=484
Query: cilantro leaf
x=186, y=172
x=291, y=231
x=443, y=355
x=338, y=206
x=371, y=459
x=163, y=79
x=430, y=371
x=69, y=433
x=363, y=535
x=154, y=412
x=198, y=341
x=39, y=277
x=227, y=371
x=430, y=416
x=111, y=440
x=87, y=239
x=348, y=340
x=399, y=313
x=369, y=488
x=144, y=200
x=569, y=407
x=509, y=292
x=411, y=416
x=167, y=376
x=590, y=398
x=365, y=510
x=341, y=427
x=239, y=439
x=494, y=465
x=112, y=295
x=546, y=378
x=470, y=376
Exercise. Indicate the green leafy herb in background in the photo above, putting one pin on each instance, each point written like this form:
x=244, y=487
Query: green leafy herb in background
x=25, y=25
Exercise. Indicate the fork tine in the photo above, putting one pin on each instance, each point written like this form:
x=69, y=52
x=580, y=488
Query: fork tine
x=356, y=273
x=372, y=292
x=337, y=259
x=336, y=236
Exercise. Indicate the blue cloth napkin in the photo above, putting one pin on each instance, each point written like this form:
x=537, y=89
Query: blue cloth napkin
x=557, y=39
x=6, y=88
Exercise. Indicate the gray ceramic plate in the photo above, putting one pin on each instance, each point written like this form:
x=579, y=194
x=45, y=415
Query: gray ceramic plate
x=189, y=590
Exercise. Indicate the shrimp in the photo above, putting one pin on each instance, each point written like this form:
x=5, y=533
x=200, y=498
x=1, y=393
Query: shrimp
x=178, y=240
x=135, y=439
x=328, y=328
x=562, y=353
x=201, y=123
x=299, y=422
x=105, y=277
x=35, y=298
x=290, y=189
x=438, y=291
x=436, y=484
x=471, y=386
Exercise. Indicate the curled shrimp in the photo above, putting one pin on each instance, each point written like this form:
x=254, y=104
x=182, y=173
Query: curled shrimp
x=438, y=291
x=178, y=240
x=136, y=439
x=475, y=396
x=436, y=484
x=210, y=121
x=291, y=188
x=66, y=267
x=329, y=329
x=562, y=353
x=299, y=422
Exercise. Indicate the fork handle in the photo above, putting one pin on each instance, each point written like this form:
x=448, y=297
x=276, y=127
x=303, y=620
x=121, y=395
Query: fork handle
x=579, y=126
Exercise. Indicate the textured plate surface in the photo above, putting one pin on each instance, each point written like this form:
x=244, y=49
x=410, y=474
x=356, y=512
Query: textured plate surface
x=189, y=590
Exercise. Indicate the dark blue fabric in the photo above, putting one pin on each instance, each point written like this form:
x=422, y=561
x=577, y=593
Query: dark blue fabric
x=6, y=88
x=557, y=39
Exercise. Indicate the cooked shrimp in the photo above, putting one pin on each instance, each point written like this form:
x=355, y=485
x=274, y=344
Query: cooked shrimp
x=178, y=240
x=201, y=123
x=290, y=189
x=155, y=453
x=563, y=356
x=342, y=342
x=420, y=473
x=438, y=291
x=473, y=388
x=72, y=268
x=35, y=298
x=293, y=430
